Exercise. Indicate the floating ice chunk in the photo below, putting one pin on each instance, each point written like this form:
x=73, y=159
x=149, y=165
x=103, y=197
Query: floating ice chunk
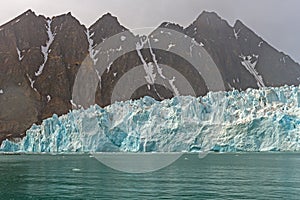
x=1, y=91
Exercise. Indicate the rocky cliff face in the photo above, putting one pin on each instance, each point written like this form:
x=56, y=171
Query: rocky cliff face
x=40, y=58
x=243, y=58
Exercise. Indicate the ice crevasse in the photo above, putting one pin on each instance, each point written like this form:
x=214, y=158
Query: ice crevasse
x=267, y=119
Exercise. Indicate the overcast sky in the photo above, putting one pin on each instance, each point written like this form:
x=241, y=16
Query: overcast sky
x=277, y=21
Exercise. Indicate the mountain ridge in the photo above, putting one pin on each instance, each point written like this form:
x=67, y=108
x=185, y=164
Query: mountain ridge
x=40, y=58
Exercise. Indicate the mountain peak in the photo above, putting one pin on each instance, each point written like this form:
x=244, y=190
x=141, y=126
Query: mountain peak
x=172, y=26
x=239, y=23
x=108, y=21
x=109, y=16
x=29, y=11
x=67, y=16
x=27, y=14
x=210, y=19
x=209, y=15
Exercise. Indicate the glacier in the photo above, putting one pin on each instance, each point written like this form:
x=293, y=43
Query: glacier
x=265, y=119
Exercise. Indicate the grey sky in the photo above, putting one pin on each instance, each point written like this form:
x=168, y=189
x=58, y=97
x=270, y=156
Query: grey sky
x=277, y=21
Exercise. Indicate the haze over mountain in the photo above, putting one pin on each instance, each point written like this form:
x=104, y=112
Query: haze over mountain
x=40, y=58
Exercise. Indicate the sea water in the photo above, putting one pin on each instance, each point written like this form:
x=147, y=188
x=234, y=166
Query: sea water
x=216, y=176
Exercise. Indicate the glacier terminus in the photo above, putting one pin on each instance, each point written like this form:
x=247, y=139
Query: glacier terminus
x=266, y=119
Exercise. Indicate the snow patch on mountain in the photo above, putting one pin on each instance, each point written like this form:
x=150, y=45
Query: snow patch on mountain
x=92, y=52
x=250, y=63
x=150, y=75
x=123, y=38
x=20, y=57
x=46, y=49
x=48, y=98
x=236, y=33
x=175, y=90
x=31, y=82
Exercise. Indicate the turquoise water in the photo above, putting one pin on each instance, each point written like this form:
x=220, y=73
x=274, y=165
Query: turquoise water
x=217, y=176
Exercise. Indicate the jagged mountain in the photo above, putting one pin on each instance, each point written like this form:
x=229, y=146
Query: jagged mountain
x=40, y=58
x=242, y=56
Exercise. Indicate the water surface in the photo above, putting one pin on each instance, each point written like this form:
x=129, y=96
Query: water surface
x=217, y=176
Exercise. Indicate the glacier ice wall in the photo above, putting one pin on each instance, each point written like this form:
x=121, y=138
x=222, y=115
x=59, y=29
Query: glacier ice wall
x=267, y=119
